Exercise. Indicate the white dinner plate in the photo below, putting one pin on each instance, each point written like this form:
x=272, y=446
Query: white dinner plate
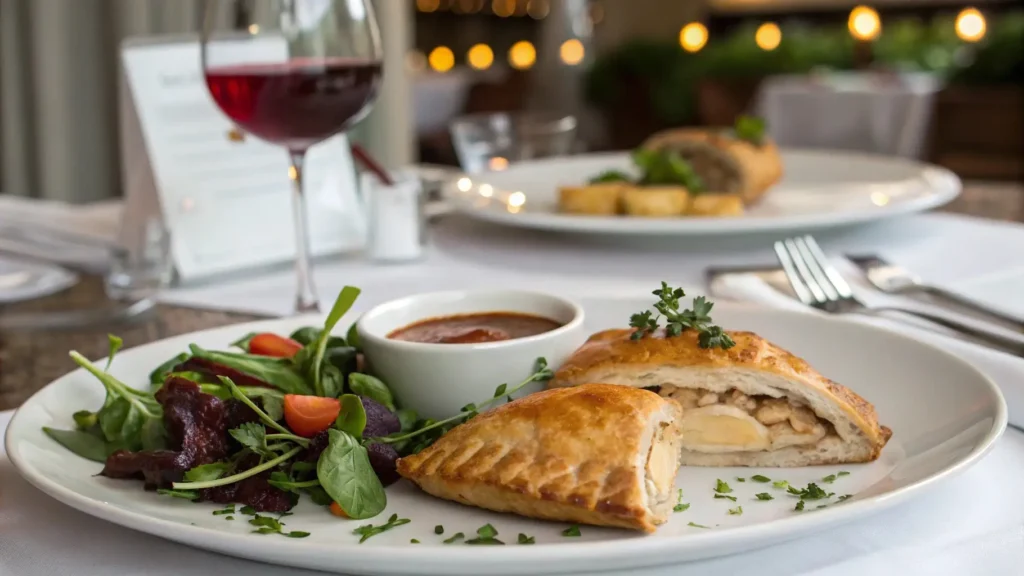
x=820, y=189
x=945, y=415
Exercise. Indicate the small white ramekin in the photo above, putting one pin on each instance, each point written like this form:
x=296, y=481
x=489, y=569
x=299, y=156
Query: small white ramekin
x=437, y=380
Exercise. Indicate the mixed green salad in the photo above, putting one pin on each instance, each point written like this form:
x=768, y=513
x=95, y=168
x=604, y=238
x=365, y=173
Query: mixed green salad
x=259, y=426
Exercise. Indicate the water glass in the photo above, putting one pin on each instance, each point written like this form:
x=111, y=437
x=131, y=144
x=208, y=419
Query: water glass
x=142, y=266
x=492, y=141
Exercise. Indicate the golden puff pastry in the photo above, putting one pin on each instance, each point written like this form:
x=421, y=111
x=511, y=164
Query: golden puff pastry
x=754, y=404
x=604, y=199
x=724, y=163
x=593, y=454
x=655, y=201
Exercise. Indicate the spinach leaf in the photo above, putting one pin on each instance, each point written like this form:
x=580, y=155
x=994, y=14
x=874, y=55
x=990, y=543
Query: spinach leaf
x=206, y=472
x=154, y=435
x=352, y=418
x=273, y=406
x=319, y=496
x=352, y=336
x=332, y=381
x=346, y=298
x=243, y=342
x=344, y=358
x=371, y=387
x=122, y=422
x=407, y=417
x=277, y=372
x=160, y=373
x=81, y=443
x=310, y=334
x=345, y=474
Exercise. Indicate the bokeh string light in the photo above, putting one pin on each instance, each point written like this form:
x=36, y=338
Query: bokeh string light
x=864, y=23
x=693, y=37
x=970, y=25
x=768, y=36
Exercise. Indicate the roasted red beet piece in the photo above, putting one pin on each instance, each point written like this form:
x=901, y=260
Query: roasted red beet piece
x=383, y=460
x=379, y=420
x=239, y=413
x=317, y=444
x=197, y=432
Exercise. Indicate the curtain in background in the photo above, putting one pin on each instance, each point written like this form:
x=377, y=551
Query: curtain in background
x=59, y=71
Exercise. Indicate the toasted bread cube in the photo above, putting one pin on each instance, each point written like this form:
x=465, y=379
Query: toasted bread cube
x=656, y=201
x=594, y=199
x=716, y=205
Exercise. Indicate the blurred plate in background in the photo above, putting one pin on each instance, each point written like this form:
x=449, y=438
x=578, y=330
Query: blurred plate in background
x=821, y=189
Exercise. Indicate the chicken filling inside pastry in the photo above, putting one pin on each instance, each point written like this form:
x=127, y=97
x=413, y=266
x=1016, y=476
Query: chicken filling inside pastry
x=733, y=421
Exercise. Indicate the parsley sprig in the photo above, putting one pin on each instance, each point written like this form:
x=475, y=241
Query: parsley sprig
x=369, y=530
x=676, y=320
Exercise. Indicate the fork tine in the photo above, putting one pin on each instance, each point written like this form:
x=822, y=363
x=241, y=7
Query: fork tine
x=837, y=280
x=815, y=268
x=802, y=293
x=805, y=273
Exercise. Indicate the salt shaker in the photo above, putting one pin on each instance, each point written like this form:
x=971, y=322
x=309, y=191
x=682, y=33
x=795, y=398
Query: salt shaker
x=396, y=221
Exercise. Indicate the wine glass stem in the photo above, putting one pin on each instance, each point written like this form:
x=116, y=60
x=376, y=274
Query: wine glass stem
x=305, y=292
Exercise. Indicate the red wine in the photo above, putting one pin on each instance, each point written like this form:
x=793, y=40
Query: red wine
x=297, y=103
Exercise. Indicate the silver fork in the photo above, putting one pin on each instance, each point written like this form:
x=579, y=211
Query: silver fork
x=819, y=284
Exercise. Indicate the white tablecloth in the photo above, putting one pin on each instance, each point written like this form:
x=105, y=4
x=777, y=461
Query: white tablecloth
x=869, y=112
x=971, y=524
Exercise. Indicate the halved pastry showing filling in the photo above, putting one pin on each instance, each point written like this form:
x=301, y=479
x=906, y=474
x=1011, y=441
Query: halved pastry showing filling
x=750, y=405
x=593, y=454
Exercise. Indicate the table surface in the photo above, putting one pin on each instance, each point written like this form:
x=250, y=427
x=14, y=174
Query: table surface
x=30, y=360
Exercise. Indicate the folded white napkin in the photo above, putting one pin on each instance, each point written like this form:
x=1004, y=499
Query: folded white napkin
x=1004, y=369
x=77, y=235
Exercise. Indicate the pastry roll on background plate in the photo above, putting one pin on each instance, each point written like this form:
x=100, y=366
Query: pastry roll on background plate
x=724, y=163
x=594, y=454
x=754, y=404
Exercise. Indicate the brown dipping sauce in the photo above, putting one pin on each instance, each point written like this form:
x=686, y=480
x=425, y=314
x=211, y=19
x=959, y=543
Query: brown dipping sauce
x=475, y=328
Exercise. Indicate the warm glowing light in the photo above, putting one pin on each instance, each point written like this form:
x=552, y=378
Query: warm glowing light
x=254, y=28
x=464, y=184
x=497, y=163
x=428, y=5
x=503, y=8
x=516, y=199
x=864, y=23
x=879, y=198
x=693, y=36
x=970, y=25
x=442, y=59
x=768, y=36
x=480, y=56
x=572, y=51
x=470, y=6
x=415, y=61
x=293, y=174
x=486, y=190
x=538, y=9
x=522, y=55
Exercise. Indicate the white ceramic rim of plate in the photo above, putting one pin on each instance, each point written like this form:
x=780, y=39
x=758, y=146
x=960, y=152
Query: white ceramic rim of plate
x=536, y=556
x=945, y=184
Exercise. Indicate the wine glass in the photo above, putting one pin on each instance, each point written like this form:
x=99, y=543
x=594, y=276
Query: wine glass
x=294, y=73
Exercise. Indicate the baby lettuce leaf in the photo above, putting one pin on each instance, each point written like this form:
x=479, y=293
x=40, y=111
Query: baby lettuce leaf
x=346, y=298
x=371, y=387
x=154, y=435
x=159, y=375
x=352, y=418
x=345, y=474
x=81, y=443
x=310, y=334
x=407, y=417
x=115, y=344
x=280, y=373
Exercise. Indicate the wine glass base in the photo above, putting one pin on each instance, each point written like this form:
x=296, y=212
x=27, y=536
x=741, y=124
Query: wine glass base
x=303, y=306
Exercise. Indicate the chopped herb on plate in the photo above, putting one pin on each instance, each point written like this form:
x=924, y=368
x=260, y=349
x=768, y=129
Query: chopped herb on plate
x=695, y=525
x=414, y=541
x=760, y=478
x=722, y=487
x=781, y=484
x=524, y=539
x=764, y=496
x=737, y=511
x=843, y=473
x=438, y=529
x=829, y=479
x=725, y=496
x=369, y=530
x=799, y=506
x=485, y=534
x=572, y=531
x=811, y=492
x=680, y=506
x=457, y=536
x=845, y=497
x=741, y=479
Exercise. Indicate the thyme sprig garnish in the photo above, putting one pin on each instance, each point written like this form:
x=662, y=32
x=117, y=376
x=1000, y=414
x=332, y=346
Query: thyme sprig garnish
x=676, y=320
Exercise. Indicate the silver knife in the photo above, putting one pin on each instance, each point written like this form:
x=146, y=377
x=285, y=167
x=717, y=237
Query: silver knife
x=893, y=279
